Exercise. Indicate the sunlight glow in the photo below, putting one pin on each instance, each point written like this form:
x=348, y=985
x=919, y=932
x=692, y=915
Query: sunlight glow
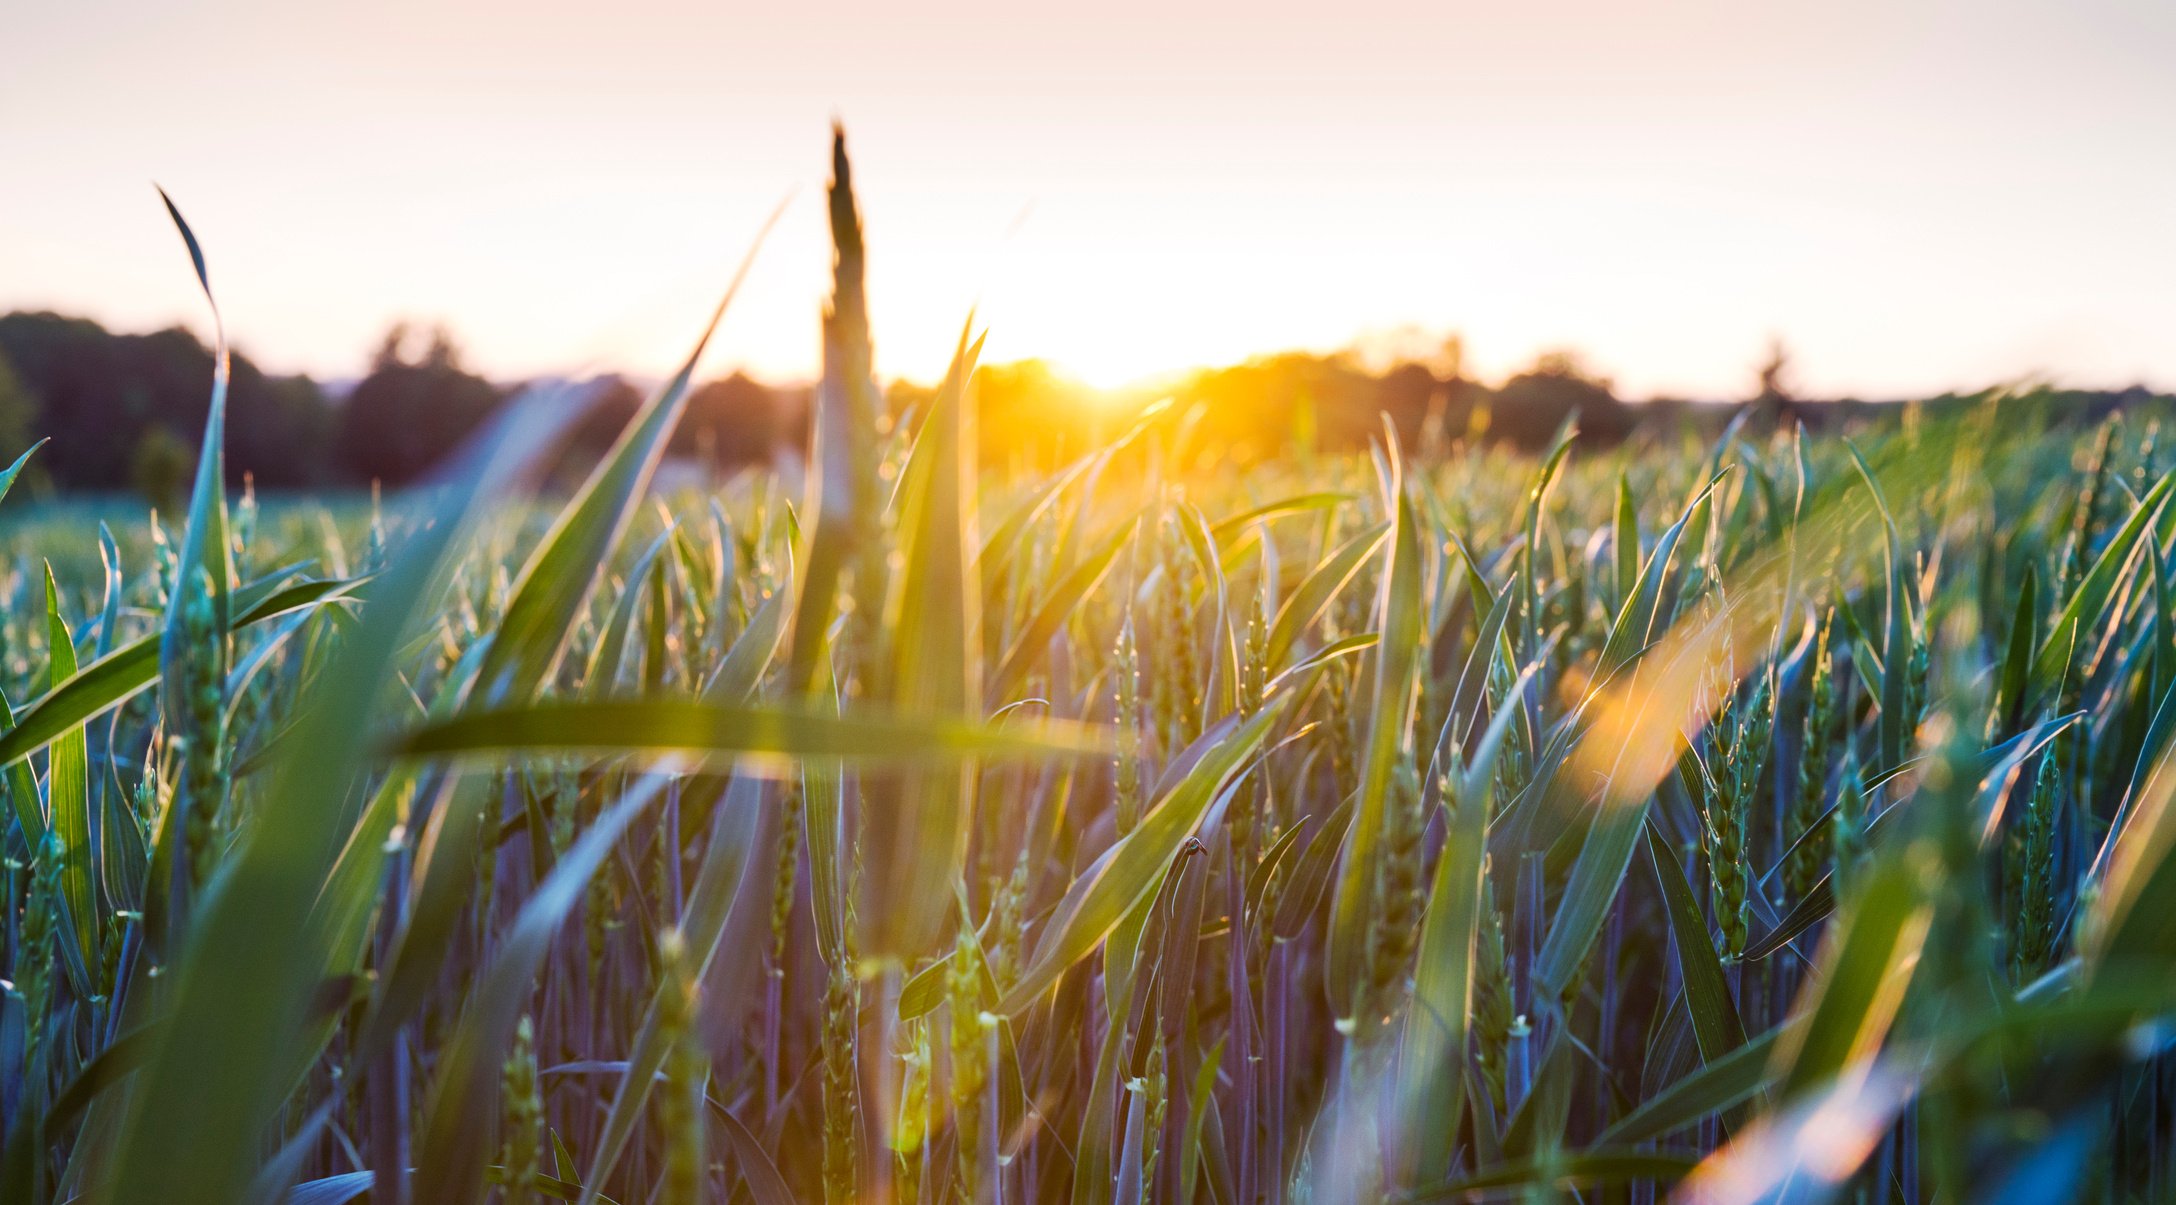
x=1664, y=190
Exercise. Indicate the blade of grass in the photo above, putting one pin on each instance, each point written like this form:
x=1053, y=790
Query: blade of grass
x=1227, y=531
x=8, y=476
x=607, y=660
x=1896, y=726
x=1592, y=1168
x=710, y=907
x=1397, y=668
x=1715, y=1023
x=753, y=650
x=765, y=1184
x=1057, y=607
x=22, y=788
x=1625, y=543
x=1315, y=593
x=2088, y=604
x=1806, y=1151
x=68, y=803
x=1428, y=1084
x=1133, y=867
x=843, y=482
x=1722, y=1084
x=204, y=544
x=463, y=1108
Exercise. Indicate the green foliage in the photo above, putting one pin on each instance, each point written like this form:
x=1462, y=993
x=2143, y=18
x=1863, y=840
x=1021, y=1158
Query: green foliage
x=1769, y=811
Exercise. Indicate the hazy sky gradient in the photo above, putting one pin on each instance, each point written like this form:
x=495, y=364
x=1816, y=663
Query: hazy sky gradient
x=1914, y=194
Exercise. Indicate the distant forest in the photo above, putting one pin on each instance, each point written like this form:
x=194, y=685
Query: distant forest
x=124, y=411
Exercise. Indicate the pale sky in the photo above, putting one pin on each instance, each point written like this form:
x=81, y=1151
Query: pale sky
x=1914, y=194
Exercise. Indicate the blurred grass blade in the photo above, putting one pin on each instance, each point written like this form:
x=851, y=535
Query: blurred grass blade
x=1092, y=1144
x=914, y=833
x=331, y=1190
x=1311, y=874
x=1220, y=694
x=1865, y=965
x=1641, y=727
x=676, y=726
x=1537, y=500
x=1637, y=615
x=556, y=582
x=252, y=960
x=2135, y=855
x=1597, y=875
x=107, y=1068
x=823, y=823
x=1805, y=1152
x=2056, y=1167
x=276, y=1181
x=1299, y=670
x=1594, y=1168
x=22, y=789
x=1227, y=532
x=1488, y=647
x=438, y=898
x=1895, y=725
x=925, y=990
x=2016, y=673
x=607, y=660
x=2130, y=920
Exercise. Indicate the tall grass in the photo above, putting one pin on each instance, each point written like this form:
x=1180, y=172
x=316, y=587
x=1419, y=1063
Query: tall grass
x=1740, y=818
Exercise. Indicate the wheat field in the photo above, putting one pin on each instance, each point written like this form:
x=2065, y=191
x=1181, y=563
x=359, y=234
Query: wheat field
x=1767, y=816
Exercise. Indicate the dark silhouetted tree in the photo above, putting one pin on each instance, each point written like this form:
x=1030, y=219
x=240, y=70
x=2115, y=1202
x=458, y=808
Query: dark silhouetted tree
x=740, y=420
x=726, y=424
x=1528, y=409
x=409, y=413
x=160, y=469
x=98, y=393
x=18, y=413
x=1775, y=377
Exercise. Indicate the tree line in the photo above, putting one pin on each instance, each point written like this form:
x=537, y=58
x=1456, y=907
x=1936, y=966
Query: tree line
x=123, y=411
